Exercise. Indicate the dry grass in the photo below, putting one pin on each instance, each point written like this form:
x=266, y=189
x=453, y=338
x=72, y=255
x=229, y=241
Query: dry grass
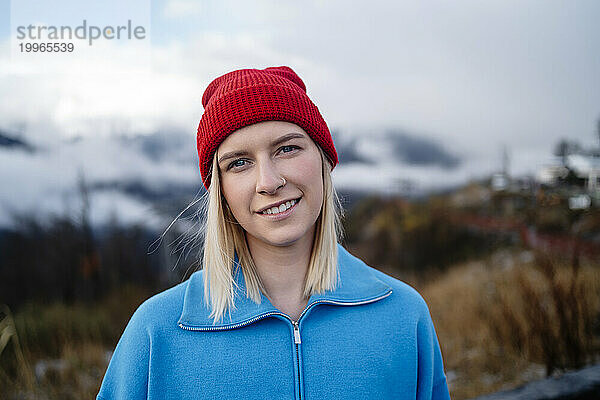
x=503, y=322
x=66, y=347
x=75, y=374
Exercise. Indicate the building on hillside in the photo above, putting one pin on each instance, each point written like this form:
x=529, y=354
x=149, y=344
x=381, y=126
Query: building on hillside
x=550, y=175
x=586, y=167
x=578, y=174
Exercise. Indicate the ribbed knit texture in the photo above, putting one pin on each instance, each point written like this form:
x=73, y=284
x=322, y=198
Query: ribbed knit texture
x=247, y=96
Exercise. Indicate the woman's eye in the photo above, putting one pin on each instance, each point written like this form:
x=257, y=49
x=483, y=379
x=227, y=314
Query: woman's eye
x=289, y=148
x=236, y=163
x=241, y=162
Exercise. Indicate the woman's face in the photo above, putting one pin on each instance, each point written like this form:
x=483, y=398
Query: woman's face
x=253, y=163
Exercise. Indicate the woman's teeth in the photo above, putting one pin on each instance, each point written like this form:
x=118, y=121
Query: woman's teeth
x=281, y=208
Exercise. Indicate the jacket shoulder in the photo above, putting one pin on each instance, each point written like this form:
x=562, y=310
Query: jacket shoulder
x=127, y=374
x=403, y=294
x=162, y=308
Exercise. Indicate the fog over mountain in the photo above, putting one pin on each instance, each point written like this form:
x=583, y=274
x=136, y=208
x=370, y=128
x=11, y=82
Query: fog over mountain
x=149, y=178
x=420, y=151
x=12, y=142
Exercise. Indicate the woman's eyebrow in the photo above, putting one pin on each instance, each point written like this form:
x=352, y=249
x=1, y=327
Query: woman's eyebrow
x=232, y=154
x=284, y=138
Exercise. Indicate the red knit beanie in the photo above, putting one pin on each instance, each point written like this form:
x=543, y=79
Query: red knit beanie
x=247, y=96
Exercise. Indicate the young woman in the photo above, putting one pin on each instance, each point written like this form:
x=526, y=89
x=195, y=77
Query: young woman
x=279, y=310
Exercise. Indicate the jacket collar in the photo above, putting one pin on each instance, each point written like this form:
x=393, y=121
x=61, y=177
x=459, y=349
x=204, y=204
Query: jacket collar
x=357, y=285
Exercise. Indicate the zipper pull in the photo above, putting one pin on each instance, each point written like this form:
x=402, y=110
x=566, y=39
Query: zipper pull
x=296, y=333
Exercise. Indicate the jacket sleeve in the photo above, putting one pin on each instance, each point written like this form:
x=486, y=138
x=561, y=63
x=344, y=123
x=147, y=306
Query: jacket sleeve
x=431, y=383
x=127, y=373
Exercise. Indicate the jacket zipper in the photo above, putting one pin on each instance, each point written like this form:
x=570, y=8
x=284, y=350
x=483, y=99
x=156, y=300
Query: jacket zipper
x=343, y=303
x=233, y=326
x=296, y=325
x=297, y=342
x=241, y=324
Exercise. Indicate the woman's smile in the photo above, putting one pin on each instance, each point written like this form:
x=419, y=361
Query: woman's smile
x=278, y=213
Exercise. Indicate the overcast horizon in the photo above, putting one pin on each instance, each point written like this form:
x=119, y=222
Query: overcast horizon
x=456, y=82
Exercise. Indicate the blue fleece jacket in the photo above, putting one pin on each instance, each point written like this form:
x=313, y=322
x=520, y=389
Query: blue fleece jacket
x=371, y=338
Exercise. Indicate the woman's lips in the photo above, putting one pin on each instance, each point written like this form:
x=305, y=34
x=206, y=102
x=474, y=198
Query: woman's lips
x=281, y=215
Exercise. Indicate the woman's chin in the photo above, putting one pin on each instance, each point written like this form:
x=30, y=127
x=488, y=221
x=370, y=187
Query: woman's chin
x=277, y=240
x=281, y=241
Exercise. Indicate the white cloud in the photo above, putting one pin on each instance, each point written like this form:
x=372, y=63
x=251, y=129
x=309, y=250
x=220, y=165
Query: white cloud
x=113, y=89
x=182, y=9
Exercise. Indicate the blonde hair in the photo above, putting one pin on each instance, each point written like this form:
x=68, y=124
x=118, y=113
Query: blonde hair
x=223, y=236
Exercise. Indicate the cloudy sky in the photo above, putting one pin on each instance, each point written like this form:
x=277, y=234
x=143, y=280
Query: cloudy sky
x=465, y=78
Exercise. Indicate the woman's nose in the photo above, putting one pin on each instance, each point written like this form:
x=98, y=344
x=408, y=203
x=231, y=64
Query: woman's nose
x=268, y=179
